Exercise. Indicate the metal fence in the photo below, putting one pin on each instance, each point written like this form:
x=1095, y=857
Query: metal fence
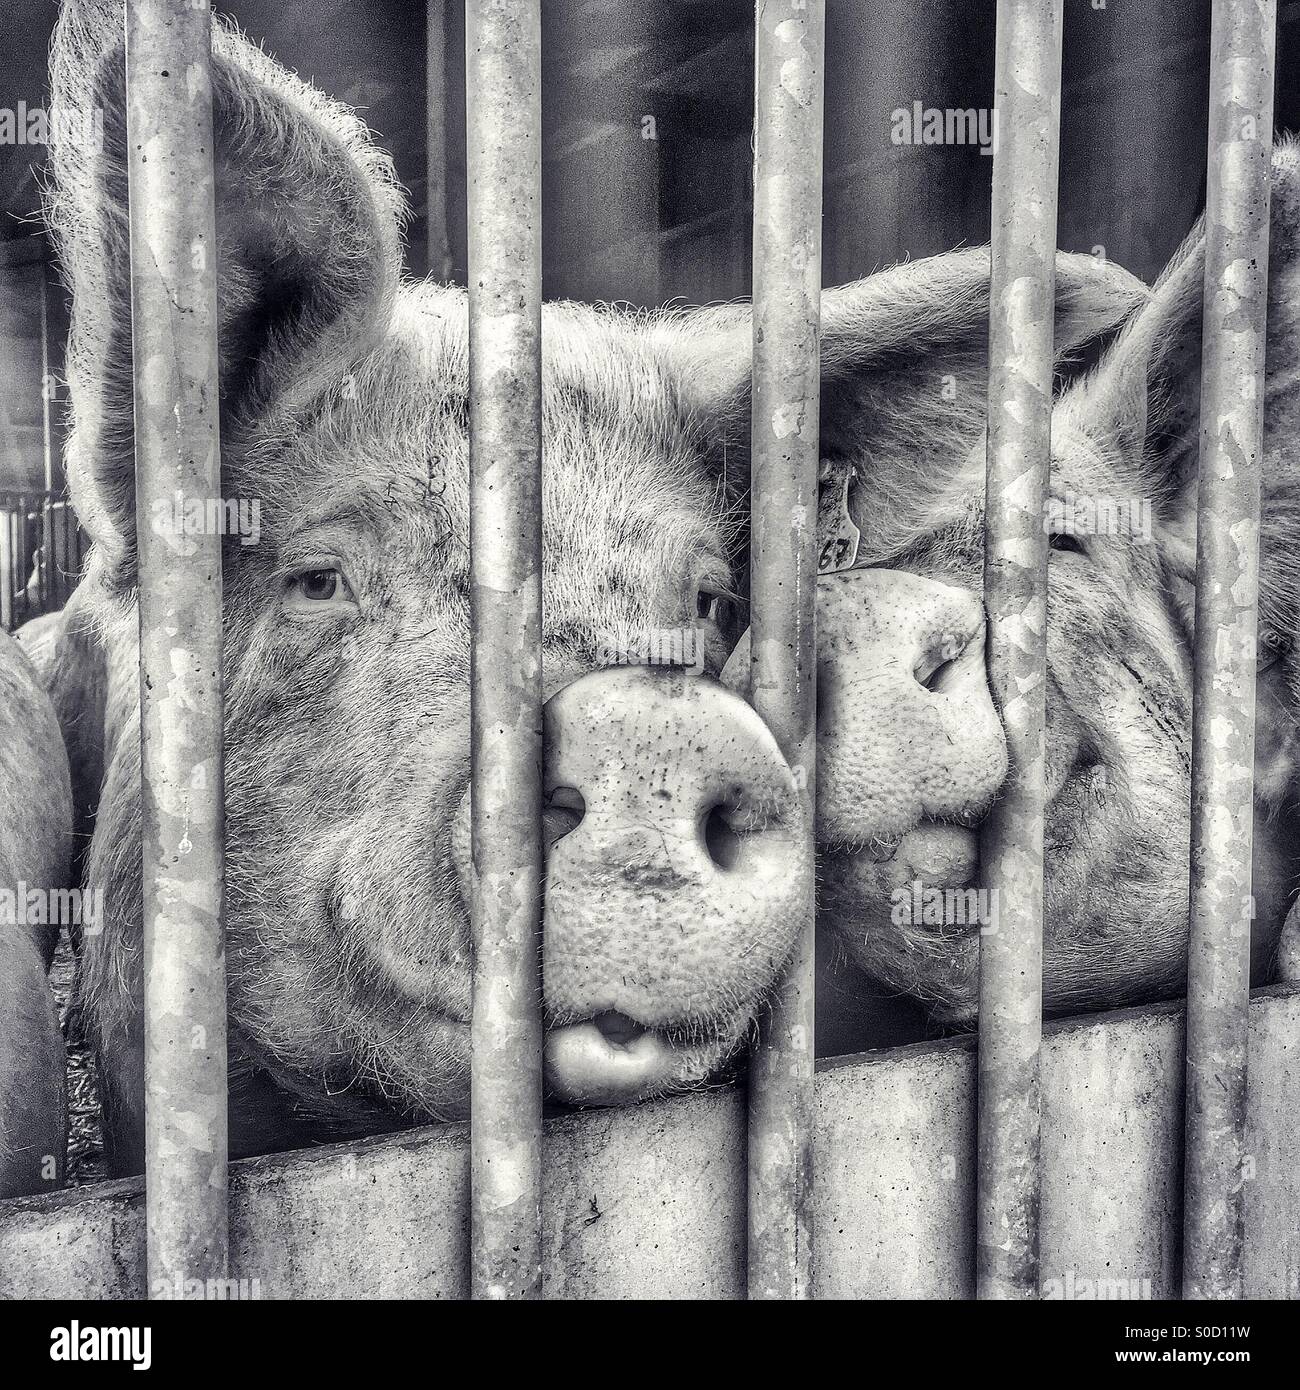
x=41, y=549
x=180, y=595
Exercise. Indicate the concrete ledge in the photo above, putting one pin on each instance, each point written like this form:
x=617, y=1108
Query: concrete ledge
x=649, y=1202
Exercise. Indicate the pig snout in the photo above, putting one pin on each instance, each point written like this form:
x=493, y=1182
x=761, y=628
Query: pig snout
x=672, y=880
x=906, y=728
x=675, y=858
x=910, y=754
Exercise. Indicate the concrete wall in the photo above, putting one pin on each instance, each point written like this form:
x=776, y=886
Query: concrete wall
x=650, y=1202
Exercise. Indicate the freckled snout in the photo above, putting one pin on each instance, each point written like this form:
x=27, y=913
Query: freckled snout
x=671, y=880
x=906, y=727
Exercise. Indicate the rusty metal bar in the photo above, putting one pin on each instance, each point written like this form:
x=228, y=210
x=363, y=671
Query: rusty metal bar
x=437, y=245
x=1242, y=43
x=790, y=42
x=1021, y=300
x=177, y=454
x=503, y=96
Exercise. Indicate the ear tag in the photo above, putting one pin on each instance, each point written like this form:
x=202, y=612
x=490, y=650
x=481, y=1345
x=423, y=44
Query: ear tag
x=838, y=535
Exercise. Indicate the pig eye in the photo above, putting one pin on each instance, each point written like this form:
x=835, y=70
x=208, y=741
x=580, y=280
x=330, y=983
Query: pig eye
x=1067, y=541
x=710, y=607
x=1272, y=646
x=319, y=584
x=314, y=588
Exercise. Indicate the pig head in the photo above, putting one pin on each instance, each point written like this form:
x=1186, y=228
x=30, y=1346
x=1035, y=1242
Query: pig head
x=910, y=748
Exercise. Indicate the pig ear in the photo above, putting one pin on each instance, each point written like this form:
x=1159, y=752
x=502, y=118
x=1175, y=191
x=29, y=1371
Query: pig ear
x=905, y=353
x=1143, y=400
x=308, y=249
x=1144, y=396
x=904, y=356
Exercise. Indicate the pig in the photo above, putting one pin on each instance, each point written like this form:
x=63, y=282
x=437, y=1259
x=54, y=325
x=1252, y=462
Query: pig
x=910, y=739
x=35, y=858
x=675, y=831
x=39, y=638
x=66, y=650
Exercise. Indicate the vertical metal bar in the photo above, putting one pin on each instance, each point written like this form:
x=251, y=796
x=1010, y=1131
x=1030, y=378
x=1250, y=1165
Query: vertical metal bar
x=49, y=577
x=1242, y=44
x=177, y=454
x=790, y=43
x=437, y=245
x=503, y=99
x=1021, y=304
x=9, y=551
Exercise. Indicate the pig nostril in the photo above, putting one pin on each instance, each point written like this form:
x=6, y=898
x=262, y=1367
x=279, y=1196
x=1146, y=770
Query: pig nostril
x=563, y=812
x=618, y=1028
x=721, y=839
x=938, y=660
x=932, y=679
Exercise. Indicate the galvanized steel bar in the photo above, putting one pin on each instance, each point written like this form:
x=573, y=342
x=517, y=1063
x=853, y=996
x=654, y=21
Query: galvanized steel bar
x=790, y=41
x=177, y=455
x=1243, y=37
x=438, y=250
x=1021, y=303
x=503, y=93
x=10, y=550
x=50, y=577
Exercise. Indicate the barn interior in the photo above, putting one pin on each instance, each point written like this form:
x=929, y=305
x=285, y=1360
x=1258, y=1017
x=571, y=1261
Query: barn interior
x=647, y=111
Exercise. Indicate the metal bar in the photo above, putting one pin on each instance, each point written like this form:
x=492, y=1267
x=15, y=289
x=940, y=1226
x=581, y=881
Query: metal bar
x=437, y=244
x=10, y=550
x=1242, y=44
x=503, y=98
x=790, y=42
x=50, y=578
x=1021, y=305
x=177, y=454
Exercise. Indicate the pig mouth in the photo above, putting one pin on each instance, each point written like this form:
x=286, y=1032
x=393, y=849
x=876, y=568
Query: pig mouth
x=911, y=911
x=923, y=879
x=612, y=1059
x=917, y=873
